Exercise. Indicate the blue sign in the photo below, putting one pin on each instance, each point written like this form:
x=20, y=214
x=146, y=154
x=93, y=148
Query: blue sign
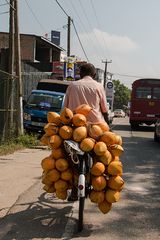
x=55, y=37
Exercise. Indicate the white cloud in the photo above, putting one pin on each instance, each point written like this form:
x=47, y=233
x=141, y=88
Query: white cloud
x=117, y=43
x=100, y=41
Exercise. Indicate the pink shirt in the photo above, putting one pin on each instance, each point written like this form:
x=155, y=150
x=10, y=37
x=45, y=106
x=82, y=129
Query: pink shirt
x=87, y=91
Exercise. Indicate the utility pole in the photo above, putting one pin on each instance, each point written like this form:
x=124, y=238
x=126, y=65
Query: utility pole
x=8, y=125
x=18, y=72
x=105, y=70
x=68, y=36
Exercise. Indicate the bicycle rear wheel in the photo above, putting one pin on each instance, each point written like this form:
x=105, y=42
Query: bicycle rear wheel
x=81, y=211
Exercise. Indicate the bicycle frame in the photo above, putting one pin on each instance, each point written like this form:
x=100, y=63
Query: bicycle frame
x=84, y=163
x=81, y=179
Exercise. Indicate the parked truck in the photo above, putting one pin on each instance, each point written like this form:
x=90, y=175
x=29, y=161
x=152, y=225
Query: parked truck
x=49, y=96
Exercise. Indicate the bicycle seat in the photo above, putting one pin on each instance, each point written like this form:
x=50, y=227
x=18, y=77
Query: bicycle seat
x=72, y=147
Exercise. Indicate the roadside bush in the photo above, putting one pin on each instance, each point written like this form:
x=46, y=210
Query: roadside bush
x=14, y=144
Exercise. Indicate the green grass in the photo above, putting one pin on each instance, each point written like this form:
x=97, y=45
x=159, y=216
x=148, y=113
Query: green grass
x=23, y=141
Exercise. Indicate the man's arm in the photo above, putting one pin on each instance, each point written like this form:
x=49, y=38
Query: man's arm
x=106, y=117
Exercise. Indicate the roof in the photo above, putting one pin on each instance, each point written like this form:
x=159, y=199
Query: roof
x=49, y=42
x=48, y=92
x=41, y=38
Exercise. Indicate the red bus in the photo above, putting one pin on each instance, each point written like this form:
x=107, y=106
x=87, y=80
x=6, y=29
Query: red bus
x=145, y=102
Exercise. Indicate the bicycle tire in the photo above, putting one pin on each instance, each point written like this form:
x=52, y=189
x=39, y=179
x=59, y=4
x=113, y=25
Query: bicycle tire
x=81, y=211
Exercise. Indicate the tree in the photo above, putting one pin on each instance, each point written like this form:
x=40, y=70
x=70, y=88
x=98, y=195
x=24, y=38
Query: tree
x=121, y=95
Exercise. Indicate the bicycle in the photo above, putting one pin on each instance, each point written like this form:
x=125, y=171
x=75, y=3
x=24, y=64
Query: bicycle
x=84, y=162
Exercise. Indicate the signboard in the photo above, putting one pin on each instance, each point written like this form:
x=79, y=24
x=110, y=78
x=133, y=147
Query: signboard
x=55, y=37
x=110, y=85
x=69, y=69
x=109, y=88
x=110, y=93
x=58, y=67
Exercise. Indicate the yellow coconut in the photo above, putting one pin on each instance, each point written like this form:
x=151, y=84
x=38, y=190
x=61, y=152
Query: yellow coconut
x=94, y=131
x=97, y=169
x=100, y=148
x=79, y=133
x=115, y=158
x=51, y=129
x=58, y=153
x=65, y=132
x=46, y=180
x=66, y=115
x=45, y=140
x=97, y=196
x=106, y=158
x=79, y=120
x=87, y=144
x=118, y=140
x=49, y=189
x=53, y=117
x=115, y=168
x=116, y=149
x=112, y=196
x=108, y=138
x=116, y=183
x=61, y=194
x=48, y=163
x=99, y=183
x=84, y=109
x=61, y=164
x=104, y=126
x=61, y=185
x=53, y=175
x=67, y=174
x=55, y=141
x=104, y=206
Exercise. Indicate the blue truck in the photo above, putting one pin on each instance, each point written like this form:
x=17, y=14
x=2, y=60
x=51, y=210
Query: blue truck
x=48, y=97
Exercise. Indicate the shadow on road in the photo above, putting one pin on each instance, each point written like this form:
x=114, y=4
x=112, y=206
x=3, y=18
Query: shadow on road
x=44, y=218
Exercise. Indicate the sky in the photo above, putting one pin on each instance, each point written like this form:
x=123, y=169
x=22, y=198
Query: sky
x=125, y=33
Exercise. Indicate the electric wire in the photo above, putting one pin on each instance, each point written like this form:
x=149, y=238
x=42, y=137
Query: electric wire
x=62, y=8
x=33, y=14
x=96, y=38
x=82, y=24
x=3, y=4
x=1, y=13
x=80, y=41
x=98, y=24
x=74, y=29
x=7, y=2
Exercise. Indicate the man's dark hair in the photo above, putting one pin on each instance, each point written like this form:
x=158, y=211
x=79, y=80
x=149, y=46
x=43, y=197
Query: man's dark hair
x=87, y=69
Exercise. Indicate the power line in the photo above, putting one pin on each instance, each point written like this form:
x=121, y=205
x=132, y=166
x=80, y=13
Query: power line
x=74, y=29
x=80, y=41
x=62, y=8
x=10, y=5
x=35, y=16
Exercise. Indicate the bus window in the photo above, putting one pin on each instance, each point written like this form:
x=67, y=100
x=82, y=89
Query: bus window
x=156, y=93
x=143, y=92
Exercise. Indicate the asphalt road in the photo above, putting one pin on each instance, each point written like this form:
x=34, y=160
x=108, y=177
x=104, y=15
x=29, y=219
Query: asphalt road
x=36, y=215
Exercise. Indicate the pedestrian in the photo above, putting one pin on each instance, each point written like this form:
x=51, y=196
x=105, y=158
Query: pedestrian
x=87, y=90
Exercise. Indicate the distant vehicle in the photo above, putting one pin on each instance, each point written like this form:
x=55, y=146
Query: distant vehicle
x=39, y=103
x=53, y=85
x=119, y=113
x=110, y=113
x=157, y=131
x=49, y=96
x=145, y=102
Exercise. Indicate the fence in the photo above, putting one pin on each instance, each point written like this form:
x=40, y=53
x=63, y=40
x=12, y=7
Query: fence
x=9, y=98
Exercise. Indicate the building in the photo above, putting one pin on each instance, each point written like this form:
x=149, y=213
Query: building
x=36, y=51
